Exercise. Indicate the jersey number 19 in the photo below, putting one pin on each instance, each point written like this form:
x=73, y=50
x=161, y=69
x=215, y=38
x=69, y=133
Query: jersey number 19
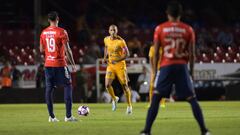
x=51, y=46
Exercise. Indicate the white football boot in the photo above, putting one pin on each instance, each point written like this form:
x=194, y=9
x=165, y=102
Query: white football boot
x=50, y=119
x=114, y=104
x=129, y=110
x=70, y=119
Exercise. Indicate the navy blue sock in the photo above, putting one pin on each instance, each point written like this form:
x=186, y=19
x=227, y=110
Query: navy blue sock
x=68, y=100
x=152, y=112
x=197, y=112
x=49, y=100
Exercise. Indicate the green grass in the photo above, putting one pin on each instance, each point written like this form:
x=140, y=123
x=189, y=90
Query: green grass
x=222, y=118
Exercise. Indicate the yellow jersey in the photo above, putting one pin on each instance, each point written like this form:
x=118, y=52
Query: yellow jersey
x=114, y=48
x=151, y=54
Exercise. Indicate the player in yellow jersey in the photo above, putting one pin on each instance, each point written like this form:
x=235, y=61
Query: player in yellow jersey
x=116, y=50
x=151, y=54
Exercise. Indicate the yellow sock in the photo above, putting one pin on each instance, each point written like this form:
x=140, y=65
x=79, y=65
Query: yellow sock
x=111, y=92
x=128, y=97
x=162, y=102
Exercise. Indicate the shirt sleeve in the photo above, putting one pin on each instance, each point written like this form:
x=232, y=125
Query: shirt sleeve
x=64, y=37
x=105, y=41
x=156, y=37
x=123, y=44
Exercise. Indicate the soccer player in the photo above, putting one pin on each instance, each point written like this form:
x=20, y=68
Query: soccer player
x=151, y=53
x=117, y=51
x=177, y=40
x=54, y=42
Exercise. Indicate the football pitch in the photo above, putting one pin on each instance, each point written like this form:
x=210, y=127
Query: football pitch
x=222, y=118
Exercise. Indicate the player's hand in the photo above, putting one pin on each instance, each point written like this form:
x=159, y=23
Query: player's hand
x=74, y=68
x=114, y=62
x=104, y=61
x=191, y=74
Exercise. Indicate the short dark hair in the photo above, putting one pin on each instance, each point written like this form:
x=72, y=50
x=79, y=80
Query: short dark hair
x=174, y=9
x=52, y=16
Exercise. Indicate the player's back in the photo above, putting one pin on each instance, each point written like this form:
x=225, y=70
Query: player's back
x=53, y=40
x=174, y=38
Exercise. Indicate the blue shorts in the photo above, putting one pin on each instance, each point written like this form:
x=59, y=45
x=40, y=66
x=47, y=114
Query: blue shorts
x=174, y=74
x=57, y=76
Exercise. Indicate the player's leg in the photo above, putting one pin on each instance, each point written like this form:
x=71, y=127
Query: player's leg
x=68, y=103
x=163, y=83
x=63, y=78
x=121, y=73
x=163, y=103
x=197, y=112
x=151, y=89
x=127, y=93
x=152, y=112
x=184, y=89
x=49, y=73
x=110, y=75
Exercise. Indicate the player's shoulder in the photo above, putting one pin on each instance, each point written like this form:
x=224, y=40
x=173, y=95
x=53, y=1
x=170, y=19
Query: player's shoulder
x=58, y=29
x=158, y=27
x=61, y=30
x=187, y=26
x=120, y=38
x=106, y=38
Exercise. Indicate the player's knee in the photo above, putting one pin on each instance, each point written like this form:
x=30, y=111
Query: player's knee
x=107, y=85
x=49, y=88
x=67, y=98
x=125, y=87
x=190, y=98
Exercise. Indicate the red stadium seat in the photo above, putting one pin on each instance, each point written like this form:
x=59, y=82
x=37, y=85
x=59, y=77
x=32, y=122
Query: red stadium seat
x=228, y=58
x=216, y=58
x=205, y=58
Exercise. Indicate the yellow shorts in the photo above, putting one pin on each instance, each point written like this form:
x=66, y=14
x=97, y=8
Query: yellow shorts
x=118, y=70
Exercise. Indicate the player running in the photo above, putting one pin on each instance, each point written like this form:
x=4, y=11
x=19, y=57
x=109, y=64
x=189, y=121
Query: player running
x=54, y=42
x=150, y=55
x=177, y=40
x=116, y=50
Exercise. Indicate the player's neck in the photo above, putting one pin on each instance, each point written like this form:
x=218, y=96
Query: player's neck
x=113, y=37
x=172, y=19
x=53, y=24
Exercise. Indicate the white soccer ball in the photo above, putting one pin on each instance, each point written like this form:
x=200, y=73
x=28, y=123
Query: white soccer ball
x=83, y=110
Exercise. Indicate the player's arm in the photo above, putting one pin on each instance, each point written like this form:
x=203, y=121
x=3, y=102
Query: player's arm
x=192, y=53
x=105, y=52
x=68, y=51
x=151, y=53
x=70, y=56
x=156, y=52
x=41, y=45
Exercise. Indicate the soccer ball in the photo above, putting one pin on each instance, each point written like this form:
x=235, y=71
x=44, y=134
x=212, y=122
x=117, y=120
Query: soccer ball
x=83, y=110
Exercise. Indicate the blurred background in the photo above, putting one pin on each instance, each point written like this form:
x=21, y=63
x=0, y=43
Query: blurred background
x=216, y=24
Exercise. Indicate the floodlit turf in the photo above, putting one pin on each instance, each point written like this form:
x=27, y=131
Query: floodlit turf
x=222, y=118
